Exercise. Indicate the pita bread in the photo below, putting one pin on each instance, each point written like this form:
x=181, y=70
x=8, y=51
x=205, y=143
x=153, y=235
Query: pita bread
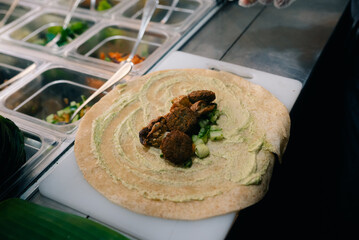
x=235, y=175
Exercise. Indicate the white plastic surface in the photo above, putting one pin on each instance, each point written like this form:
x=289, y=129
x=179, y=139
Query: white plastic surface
x=285, y=89
x=65, y=184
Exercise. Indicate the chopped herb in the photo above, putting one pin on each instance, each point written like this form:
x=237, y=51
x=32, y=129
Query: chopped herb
x=67, y=35
x=209, y=130
x=103, y=5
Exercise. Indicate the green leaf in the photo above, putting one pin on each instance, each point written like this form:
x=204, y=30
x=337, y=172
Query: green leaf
x=78, y=27
x=54, y=30
x=103, y=5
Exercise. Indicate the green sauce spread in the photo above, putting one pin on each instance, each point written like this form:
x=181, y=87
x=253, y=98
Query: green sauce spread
x=235, y=160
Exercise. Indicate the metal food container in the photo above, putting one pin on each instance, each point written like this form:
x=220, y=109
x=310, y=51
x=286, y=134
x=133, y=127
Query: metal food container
x=34, y=31
x=177, y=15
x=51, y=89
x=11, y=65
x=85, y=7
x=120, y=37
x=41, y=149
x=22, y=11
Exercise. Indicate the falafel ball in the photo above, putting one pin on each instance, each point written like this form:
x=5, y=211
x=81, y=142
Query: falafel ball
x=153, y=133
x=179, y=101
x=205, y=95
x=177, y=147
x=202, y=108
x=182, y=119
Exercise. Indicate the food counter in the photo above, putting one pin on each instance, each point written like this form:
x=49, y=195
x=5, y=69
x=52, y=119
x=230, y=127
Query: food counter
x=281, y=47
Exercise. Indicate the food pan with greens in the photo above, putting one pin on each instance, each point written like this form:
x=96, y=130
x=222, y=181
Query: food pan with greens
x=43, y=28
x=67, y=35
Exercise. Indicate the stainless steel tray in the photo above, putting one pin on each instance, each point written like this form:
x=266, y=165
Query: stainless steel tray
x=170, y=14
x=44, y=92
x=120, y=36
x=42, y=148
x=11, y=65
x=22, y=11
x=85, y=7
x=32, y=32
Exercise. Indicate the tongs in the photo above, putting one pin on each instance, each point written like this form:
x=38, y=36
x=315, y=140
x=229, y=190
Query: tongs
x=127, y=65
x=66, y=22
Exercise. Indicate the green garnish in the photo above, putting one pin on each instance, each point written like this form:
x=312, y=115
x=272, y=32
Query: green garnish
x=67, y=34
x=209, y=130
x=103, y=5
x=65, y=114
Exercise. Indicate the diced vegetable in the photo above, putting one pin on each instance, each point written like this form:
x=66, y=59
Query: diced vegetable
x=209, y=130
x=67, y=35
x=216, y=135
x=202, y=150
x=117, y=57
x=20, y=219
x=65, y=114
x=103, y=5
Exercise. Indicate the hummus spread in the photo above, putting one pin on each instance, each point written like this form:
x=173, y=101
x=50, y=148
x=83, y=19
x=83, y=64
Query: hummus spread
x=255, y=126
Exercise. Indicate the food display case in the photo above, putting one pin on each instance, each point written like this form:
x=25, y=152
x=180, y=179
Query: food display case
x=279, y=49
x=53, y=79
x=48, y=92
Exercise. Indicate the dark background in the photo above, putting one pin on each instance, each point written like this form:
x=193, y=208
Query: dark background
x=314, y=192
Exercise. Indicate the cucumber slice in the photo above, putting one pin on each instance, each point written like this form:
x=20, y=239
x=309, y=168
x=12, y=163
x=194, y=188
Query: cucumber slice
x=216, y=135
x=201, y=150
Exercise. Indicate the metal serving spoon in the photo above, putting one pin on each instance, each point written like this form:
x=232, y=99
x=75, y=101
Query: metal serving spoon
x=126, y=66
x=66, y=22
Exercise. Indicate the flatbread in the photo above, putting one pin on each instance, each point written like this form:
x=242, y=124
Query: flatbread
x=135, y=177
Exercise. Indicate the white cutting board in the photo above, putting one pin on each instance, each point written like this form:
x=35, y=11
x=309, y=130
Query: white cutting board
x=285, y=89
x=65, y=184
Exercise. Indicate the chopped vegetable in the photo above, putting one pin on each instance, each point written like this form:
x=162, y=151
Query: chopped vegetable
x=201, y=150
x=67, y=35
x=117, y=57
x=65, y=114
x=103, y=5
x=209, y=130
